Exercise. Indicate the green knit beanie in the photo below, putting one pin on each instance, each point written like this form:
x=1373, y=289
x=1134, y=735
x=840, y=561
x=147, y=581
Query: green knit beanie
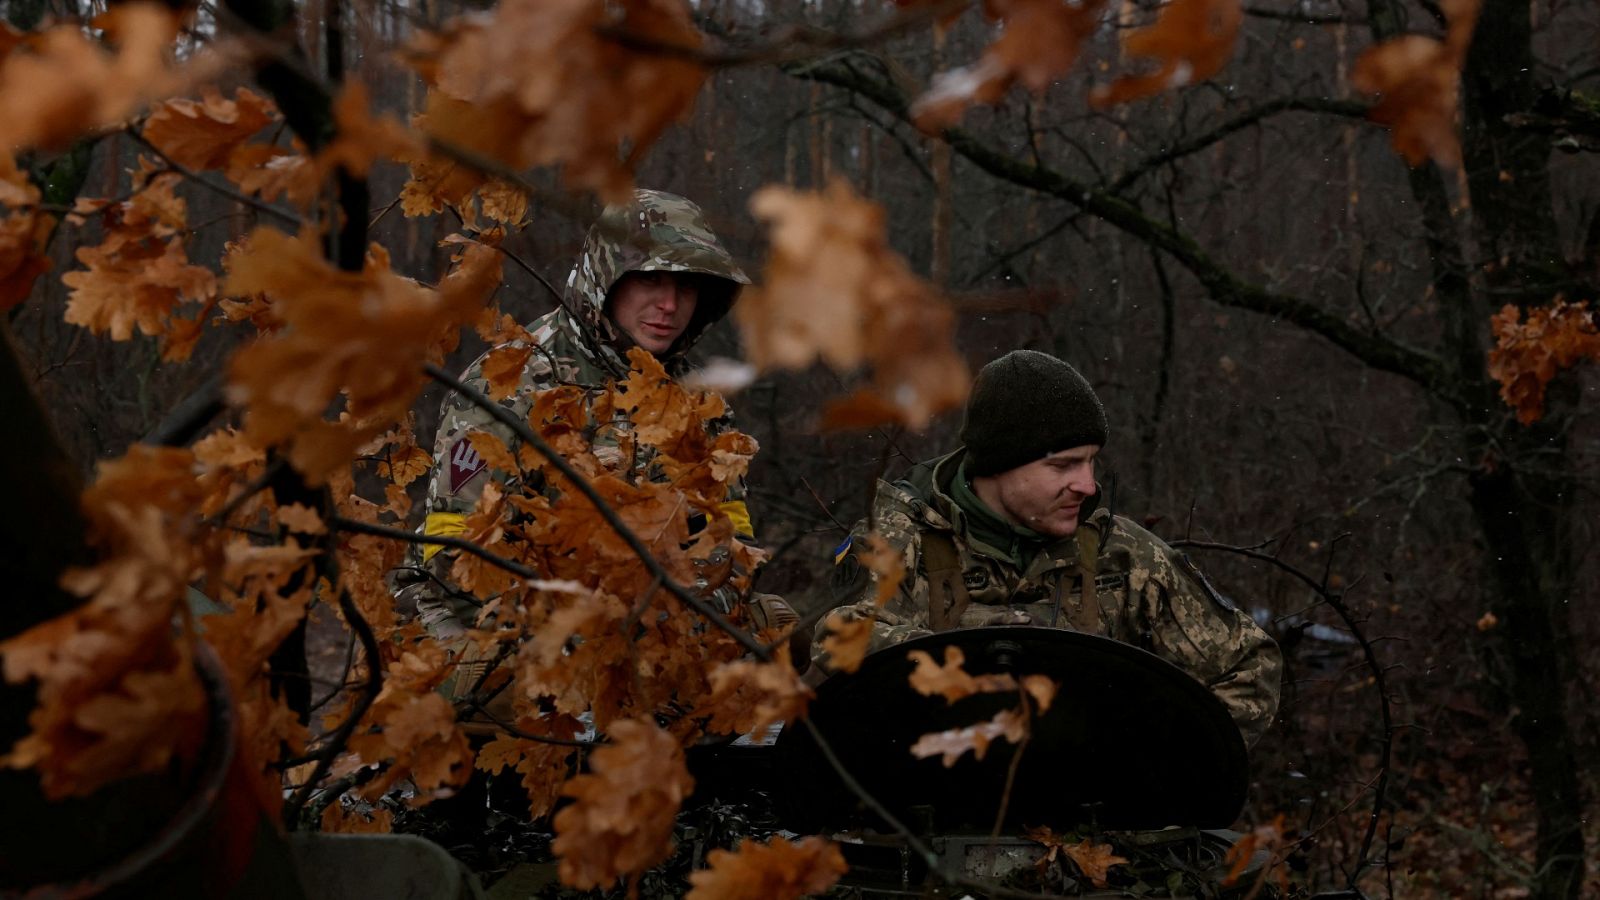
x=1025, y=406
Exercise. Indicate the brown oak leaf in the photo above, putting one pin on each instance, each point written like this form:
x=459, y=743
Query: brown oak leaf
x=550, y=82
x=748, y=696
x=403, y=465
x=118, y=694
x=270, y=172
x=1093, y=860
x=1529, y=353
x=951, y=680
x=620, y=821
x=203, y=134
x=63, y=83
x=502, y=368
x=847, y=642
x=139, y=274
x=1039, y=41
x=24, y=235
x=304, y=519
x=361, y=336
x=1418, y=79
x=543, y=767
x=833, y=290
x=777, y=870
x=1191, y=39
x=953, y=743
x=887, y=565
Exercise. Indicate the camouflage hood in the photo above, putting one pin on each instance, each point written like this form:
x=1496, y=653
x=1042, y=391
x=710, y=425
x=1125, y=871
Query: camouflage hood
x=658, y=232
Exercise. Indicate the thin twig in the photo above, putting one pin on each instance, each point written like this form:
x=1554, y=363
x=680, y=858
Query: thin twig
x=335, y=690
x=1015, y=764
x=466, y=546
x=1335, y=601
x=537, y=276
x=370, y=690
x=250, y=490
x=1252, y=553
x=795, y=43
x=825, y=510
x=228, y=192
x=330, y=795
x=514, y=731
x=1300, y=18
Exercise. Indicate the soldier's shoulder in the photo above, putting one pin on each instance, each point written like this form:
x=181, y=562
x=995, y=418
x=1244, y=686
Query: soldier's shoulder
x=1132, y=546
x=1140, y=550
x=894, y=497
x=900, y=511
x=1123, y=531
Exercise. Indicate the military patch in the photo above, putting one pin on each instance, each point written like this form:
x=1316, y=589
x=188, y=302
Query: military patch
x=975, y=579
x=1110, y=581
x=840, y=551
x=849, y=579
x=464, y=464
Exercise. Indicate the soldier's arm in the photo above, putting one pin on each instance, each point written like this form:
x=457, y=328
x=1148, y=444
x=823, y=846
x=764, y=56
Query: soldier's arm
x=1196, y=627
x=456, y=482
x=854, y=588
x=736, y=504
x=766, y=610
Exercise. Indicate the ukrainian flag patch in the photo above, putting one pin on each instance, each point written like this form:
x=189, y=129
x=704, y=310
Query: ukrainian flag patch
x=843, y=549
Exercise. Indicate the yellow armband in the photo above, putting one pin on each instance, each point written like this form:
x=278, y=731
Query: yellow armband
x=441, y=524
x=739, y=515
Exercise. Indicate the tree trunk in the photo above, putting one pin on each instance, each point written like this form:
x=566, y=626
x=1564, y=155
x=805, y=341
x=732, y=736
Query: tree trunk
x=1522, y=492
x=1528, y=537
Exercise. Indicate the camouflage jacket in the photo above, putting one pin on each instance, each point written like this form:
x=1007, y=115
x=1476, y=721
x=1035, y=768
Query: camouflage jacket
x=577, y=345
x=1144, y=593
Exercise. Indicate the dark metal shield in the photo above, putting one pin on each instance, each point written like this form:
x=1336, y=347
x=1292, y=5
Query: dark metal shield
x=1130, y=742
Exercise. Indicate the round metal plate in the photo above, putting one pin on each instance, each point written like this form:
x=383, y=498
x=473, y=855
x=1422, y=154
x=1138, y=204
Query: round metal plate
x=1130, y=741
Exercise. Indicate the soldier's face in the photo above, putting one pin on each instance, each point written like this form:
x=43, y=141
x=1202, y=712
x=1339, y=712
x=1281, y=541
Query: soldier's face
x=654, y=308
x=1047, y=494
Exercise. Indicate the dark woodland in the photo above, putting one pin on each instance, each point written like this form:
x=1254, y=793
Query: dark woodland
x=1290, y=327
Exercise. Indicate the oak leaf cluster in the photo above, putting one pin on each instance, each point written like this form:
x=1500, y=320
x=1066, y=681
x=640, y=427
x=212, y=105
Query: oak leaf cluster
x=1530, y=351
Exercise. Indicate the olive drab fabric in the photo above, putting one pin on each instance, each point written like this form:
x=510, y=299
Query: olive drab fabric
x=574, y=345
x=1111, y=578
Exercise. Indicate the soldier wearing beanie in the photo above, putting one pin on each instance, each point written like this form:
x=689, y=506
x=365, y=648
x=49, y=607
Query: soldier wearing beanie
x=1007, y=531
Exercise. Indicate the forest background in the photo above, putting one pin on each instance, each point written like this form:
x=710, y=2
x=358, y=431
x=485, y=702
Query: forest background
x=1290, y=327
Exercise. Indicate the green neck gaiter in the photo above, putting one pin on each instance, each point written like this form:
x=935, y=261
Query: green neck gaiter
x=1016, y=543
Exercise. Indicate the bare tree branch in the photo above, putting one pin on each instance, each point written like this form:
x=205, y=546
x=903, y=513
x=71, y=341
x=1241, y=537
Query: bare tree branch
x=190, y=174
x=1376, y=350
x=465, y=546
x=792, y=43
x=1301, y=18
x=1349, y=108
x=370, y=689
x=1334, y=599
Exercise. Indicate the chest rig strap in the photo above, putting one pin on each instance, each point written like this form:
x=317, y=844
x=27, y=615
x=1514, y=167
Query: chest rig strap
x=947, y=591
x=1086, y=618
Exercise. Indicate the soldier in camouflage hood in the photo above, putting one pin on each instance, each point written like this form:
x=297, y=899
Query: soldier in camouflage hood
x=651, y=274
x=1006, y=531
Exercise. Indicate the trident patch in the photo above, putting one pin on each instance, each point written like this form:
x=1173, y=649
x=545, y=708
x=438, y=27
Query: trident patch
x=464, y=463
